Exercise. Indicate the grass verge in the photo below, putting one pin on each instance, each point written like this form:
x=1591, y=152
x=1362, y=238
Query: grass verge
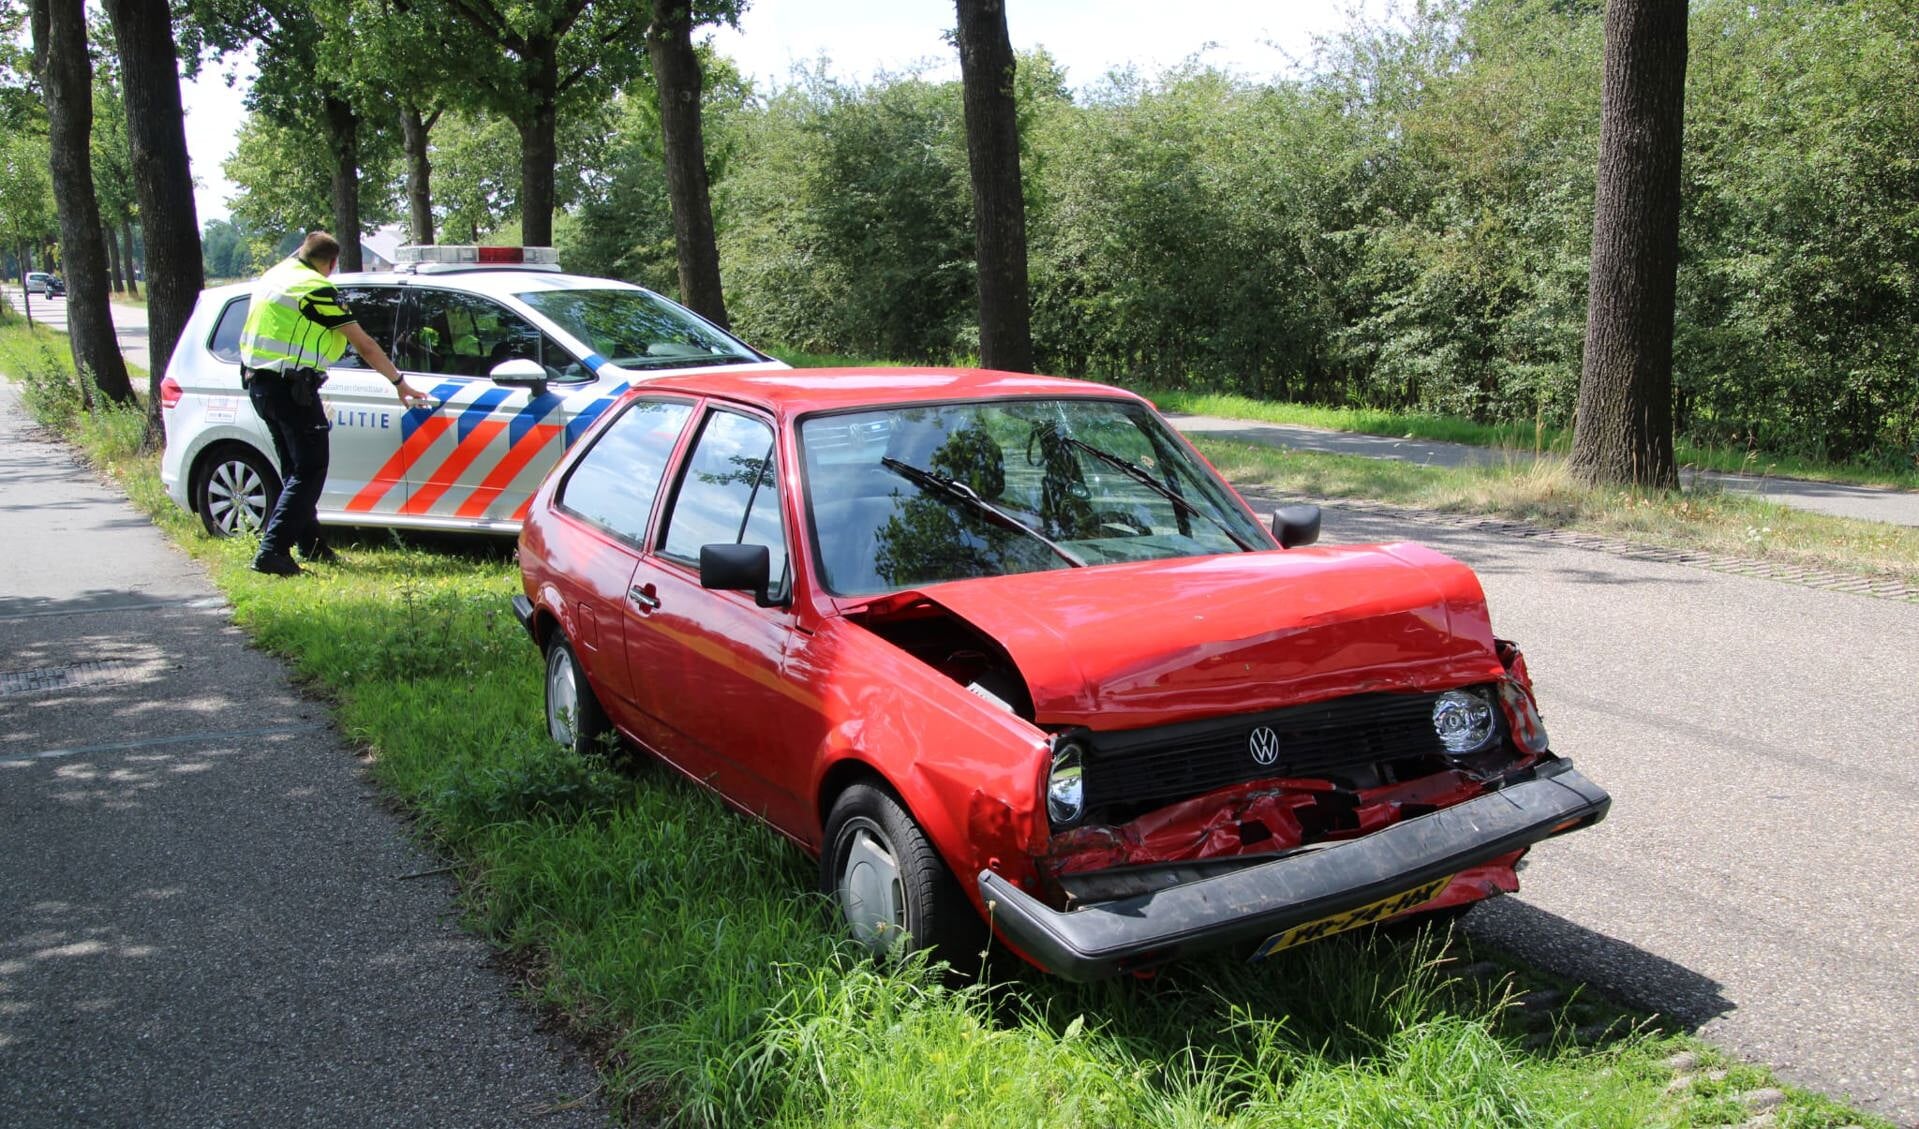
x=1523, y=439
x=1542, y=492
x=682, y=943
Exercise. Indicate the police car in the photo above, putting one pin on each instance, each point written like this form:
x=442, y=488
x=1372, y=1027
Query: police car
x=517, y=356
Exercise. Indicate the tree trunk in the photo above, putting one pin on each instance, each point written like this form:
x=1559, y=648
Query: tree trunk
x=999, y=208
x=677, y=68
x=26, y=264
x=419, y=172
x=114, y=277
x=343, y=144
x=1623, y=432
x=66, y=75
x=133, y=270
x=538, y=151
x=163, y=182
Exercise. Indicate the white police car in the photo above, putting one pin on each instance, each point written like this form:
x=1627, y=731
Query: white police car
x=518, y=358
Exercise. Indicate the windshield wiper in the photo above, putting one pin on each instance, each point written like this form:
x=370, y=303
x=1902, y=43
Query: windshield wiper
x=953, y=488
x=1145, y=478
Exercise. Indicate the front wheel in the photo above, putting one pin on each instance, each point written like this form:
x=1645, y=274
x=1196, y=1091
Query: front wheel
x=235, y=491
x=890, y=885
x=574, y=718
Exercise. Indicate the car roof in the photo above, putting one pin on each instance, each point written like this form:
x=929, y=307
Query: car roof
x=492, y=281
x=496, y=282
x=788, y=393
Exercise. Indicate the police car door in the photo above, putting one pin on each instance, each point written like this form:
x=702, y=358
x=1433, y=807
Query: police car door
x=366, y=415
x=475, y=458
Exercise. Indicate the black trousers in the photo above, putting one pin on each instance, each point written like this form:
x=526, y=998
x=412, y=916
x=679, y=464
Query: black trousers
x=299, y=427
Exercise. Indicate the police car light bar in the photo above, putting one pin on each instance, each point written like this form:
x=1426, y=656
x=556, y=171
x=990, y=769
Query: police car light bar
x=445, y=255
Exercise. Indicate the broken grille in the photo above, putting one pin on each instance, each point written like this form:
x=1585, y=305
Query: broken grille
x=1332, y=740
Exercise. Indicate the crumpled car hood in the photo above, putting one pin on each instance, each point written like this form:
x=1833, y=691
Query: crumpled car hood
x=1156, y=642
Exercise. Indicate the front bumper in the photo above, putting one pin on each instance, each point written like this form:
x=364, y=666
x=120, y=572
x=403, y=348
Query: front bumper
x=1128, y=934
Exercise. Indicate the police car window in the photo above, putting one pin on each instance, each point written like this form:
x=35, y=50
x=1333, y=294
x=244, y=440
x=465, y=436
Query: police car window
x=561, y=364
x=226, y=332
x=456, y=334
x=613, y=483
x=375, y=308
x=729, y=493
x=638, y=329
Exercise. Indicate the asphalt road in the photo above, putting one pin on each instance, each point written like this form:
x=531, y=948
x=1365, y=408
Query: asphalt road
x=129, y=322
x=1761, y=743
x=207, y=916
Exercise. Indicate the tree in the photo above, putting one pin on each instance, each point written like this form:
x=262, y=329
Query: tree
x=66, y=74
x=112, y=157
x=416, y=127
x=300, y=87
x=556, y=54
x=1623, y=432
x=474, y=161
x=225, y=251
x=999, y=205
x=26, y=194
x=157, y=141
x=676, y=67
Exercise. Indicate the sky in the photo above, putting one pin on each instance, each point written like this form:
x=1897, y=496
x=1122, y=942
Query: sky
x=1259, y=38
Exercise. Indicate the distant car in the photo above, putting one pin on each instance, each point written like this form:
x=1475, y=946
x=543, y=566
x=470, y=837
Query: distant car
x=1002, y=648
x=56, y=287
x=37, y=282
x=518, y=357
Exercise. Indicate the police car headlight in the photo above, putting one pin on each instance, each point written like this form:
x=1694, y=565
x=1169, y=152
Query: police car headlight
x=1464, y=721
x=1066, y=785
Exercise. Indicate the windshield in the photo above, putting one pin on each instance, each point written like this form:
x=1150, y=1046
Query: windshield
x=635, y=329
x=902, y=497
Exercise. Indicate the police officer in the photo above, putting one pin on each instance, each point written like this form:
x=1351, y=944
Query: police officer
x=296, y=327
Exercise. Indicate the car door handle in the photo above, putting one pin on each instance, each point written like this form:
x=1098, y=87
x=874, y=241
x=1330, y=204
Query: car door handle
x=644, y=596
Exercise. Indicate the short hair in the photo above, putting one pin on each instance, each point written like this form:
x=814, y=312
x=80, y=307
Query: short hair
x=319, y=247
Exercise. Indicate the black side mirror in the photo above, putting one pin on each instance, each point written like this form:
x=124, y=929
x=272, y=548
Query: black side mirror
x=520, y=373
x=738, y=568
x=1296, y=525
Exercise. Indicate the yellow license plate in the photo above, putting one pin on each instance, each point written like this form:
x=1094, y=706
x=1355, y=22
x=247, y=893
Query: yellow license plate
x=1354, y=918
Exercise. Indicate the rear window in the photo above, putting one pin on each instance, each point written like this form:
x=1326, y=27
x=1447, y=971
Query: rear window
x=226, y=332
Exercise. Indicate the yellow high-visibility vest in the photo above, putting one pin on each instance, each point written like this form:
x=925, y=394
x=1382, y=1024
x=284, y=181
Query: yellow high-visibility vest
x=294, y=321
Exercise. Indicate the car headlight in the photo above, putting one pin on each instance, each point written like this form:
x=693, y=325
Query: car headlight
x=1066, y=785
x=1464, y=721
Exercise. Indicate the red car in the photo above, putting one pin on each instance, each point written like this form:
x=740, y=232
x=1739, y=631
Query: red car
x=1005, y=648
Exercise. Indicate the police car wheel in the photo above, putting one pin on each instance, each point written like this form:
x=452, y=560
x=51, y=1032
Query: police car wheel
x=574, y=718
x=235, y=490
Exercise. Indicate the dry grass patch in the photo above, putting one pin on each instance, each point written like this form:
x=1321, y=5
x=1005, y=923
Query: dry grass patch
x=1540, y=491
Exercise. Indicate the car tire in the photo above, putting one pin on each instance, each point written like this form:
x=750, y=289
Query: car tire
x=889, y=885
x=574, y=718
x=235, y=490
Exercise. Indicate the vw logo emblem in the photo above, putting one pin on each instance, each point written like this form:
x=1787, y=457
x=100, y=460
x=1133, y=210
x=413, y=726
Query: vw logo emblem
x=1263, y=743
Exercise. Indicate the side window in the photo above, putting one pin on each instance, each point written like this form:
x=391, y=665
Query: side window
x=226, y=332
x=375, y=308
x=462, y=335
x=561, y=364
x=729, y=493
x=614, y=482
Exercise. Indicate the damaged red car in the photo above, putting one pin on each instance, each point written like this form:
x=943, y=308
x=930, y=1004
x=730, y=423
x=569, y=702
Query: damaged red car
x=1004, y=652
